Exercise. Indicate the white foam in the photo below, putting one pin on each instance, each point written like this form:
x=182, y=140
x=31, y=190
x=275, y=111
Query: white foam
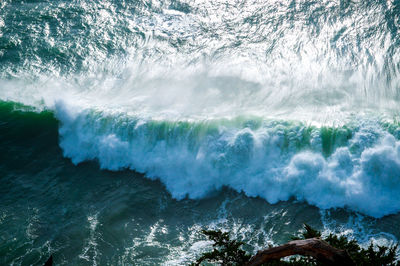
x=193, y=159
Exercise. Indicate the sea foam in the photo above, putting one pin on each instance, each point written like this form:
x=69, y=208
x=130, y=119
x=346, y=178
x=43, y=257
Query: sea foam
x=355, y=166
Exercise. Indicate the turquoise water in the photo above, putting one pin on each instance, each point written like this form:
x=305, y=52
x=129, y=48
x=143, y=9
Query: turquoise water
x=128, y=126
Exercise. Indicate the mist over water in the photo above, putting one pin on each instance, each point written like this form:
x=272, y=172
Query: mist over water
x=200, y=59
x=281, y=100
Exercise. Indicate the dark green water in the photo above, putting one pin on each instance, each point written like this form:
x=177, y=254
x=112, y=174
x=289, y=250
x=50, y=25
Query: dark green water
x=126, y=127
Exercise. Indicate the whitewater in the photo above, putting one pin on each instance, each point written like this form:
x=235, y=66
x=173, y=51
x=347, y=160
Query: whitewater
x=288, y=101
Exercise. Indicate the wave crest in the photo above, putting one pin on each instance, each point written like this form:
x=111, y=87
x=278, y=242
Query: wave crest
x=355, y=166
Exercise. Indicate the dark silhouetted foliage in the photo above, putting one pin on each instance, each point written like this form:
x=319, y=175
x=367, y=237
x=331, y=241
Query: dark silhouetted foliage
x=229, y=252
x=226, y=251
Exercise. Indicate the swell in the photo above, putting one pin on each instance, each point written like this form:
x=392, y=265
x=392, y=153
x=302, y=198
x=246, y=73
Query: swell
x=354, y=166
x=21, y=123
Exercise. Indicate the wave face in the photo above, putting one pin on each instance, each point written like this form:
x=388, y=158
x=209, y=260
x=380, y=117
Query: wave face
x=280, y=100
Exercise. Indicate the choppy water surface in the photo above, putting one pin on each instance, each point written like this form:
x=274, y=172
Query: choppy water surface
x=127, y=126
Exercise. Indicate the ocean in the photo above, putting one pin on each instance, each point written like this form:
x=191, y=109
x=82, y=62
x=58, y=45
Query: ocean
x=128, y=126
